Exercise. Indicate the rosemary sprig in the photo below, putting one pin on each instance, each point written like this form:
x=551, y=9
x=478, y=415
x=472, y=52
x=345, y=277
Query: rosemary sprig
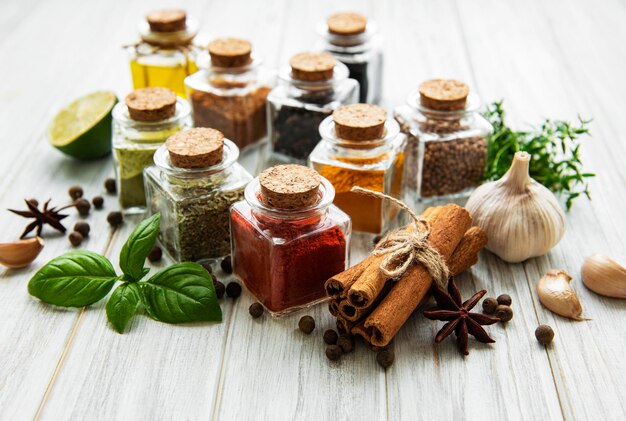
x=554, y=150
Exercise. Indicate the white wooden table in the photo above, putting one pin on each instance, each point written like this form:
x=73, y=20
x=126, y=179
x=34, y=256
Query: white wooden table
x=553, y=59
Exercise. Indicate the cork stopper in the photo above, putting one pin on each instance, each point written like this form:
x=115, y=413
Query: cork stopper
x=230, y=52
x=312, y=67
x=360, y=122
x=167, y=20
x=196, y=148
x=151, y=104
x=289, y=186
x=443, y=94
x=346, y=23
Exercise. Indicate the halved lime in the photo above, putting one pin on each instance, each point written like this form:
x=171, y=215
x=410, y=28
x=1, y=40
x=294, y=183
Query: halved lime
x=83, y=128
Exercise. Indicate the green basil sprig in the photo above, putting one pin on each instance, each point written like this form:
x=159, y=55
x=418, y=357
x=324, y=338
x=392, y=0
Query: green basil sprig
x=181, y=293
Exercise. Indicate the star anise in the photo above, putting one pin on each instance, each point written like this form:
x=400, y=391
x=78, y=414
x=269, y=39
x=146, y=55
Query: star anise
x=51, y=216
x=452, y=309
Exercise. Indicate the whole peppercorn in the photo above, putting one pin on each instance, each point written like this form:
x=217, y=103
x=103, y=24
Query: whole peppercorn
x=385, y=357
x=233, y=289
x=220, y=289
x=505, y=300
x=109, y=185
x=115, y=219
x=255, y=310
x=333, y=352
x=208, y=267
x=82, y=227
x=227, y=265
x=489, y=305
x=306, y=324
x=75, y=238
x=97, y=201
x=330, y=337
x=34, y=202
x=155, y=254
x=346, y=344
x=82, y=206
x=544, y=334
x=76, y=192
x=504, y=313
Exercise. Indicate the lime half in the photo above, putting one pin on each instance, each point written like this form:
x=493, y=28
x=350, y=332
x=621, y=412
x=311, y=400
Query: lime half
x=83, y=128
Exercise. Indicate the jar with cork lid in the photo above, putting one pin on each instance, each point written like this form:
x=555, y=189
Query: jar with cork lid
x=288, y=238
x=141, y=125
x=165, y=56
x=308, y=91
x=360, y=146
x=447, y=141
x=194, y=182
x=229, y=93
x=354, y=40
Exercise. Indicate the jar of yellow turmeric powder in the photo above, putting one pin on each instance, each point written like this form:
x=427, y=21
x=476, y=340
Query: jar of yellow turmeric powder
x=360, y=146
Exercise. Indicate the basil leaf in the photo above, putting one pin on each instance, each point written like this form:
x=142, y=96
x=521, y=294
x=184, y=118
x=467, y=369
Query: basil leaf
x=123, y=305
x=136, y=249
x=183, y=292
x=75, y=279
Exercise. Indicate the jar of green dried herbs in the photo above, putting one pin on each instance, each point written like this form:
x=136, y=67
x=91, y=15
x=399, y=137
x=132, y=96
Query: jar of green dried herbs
x=194, y=182
x=141, y=124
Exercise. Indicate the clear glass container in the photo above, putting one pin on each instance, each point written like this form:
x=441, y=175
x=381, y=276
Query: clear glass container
x=373, y=164
x=195, y=203
x=134, y=144
x=231, y=100
x=297, y=107
x=446, y=153
x=284, y=257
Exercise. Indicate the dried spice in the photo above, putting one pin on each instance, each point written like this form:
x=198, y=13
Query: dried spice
x=233, y=290
x=227, y=265
x=385, y=357
x=296, y=130
x=256, y=310
x=82, y=227
x=110, y=186
x=489, y=305
x=50, y=216
x=75, y=192
x=155, y=254
x=306, y=324
x=544, y=334
x=115, y=219
x=504, y=313
x=98, y=202
x=330, y=337
x=504, y=299
x=75, y=238
x=220, y=288
x=333, y=352
x=346, y=343
x=82, y=206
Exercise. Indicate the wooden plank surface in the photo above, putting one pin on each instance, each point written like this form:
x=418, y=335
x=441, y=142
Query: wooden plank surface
x=552, y=59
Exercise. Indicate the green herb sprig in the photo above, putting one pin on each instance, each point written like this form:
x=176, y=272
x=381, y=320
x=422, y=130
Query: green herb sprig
x=181, y=293
x=554, y=150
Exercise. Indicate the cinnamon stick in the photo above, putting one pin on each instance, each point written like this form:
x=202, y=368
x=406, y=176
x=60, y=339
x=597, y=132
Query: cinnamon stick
x=341, y=282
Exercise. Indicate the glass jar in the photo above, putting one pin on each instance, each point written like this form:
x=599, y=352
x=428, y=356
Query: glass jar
x=134, y=144
x=284, y=257
x=297, y=107
x=355, y=42
x=230, y=95
x=372, y=164
x=194, y=204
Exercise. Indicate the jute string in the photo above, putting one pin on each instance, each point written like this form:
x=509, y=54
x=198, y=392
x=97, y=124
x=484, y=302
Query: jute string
x=404, y=249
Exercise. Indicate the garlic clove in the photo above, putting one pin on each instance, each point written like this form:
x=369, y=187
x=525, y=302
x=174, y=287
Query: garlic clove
x=604, y=276
x=557, y=295
x=21, y=253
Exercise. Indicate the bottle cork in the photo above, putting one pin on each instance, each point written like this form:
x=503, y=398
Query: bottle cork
x=312, y=67
x=360, y=122
x=151, y=104
x=444, y=94
x=346, y=23
x=167, y=20
x=289, y=186
x=230, y=52
x=196, y=148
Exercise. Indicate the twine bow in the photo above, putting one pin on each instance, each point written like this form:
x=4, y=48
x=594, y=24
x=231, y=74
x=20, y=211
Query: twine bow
x=403, y=248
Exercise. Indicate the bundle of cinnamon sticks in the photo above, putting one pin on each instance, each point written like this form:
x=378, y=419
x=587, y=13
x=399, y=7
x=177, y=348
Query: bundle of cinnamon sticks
x=368, y=304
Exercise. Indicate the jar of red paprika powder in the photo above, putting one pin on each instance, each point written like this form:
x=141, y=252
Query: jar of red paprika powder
x=288, y=238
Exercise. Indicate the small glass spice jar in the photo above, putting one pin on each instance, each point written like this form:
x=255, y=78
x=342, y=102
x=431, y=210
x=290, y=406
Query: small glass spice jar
x=308, y=91
x=447, y=141
x=288, y=238
x=141, y=125
x=165, y=56
x=361, y=147
x=194, y=182
x=230, y=94
x=356, y=43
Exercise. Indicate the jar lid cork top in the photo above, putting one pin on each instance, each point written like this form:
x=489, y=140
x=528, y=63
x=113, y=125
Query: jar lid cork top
x=196, y=148
x=444, y=94
x=230, y=52
x=289, y=186
x=151, y=104
x=167, y=20
x=312, y=67
x=360, y=122
x=346, y=23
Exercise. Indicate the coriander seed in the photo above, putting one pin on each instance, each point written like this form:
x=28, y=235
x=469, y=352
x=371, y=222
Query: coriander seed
x=82, y=227
x=76, y=238
x=489, y=305
x=385, y=358
x=504, y=313
x=256, y=310
x=115, y=219
x=226, y=265
x=76, y=192
x=233, y=290
x=82, y=206
x=346, y=343
x=504, y=299
x=544, y=334
x=98, y=202
x=220, y=289
x=306, y=324
x=333, y=352
x=109, y=185
x=155, y=254
x=330, y=337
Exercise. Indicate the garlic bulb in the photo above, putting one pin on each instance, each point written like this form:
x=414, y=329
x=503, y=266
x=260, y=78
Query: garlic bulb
x=21, y=253
x=556, y=293
x=521, y=217
x=604, y=276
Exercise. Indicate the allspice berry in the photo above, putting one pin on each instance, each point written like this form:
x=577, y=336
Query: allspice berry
x=385, y=357
x=306, y=324
x=98, y=202
x=220, y=289
x=544, y=334
x=346, y=343
x=33, y=202
x=109, y=185
x=75, y=192
x=255, y=310
x=226, y=265
x=82, y=227
x=82, y=206
x=504, y=313
x=330, y=337
x=208, y=267
x=505, y=299
x=489, y=305
x=75, y=238
x=155, y=254
x=233, y=290
x=115, y=219
x=333, y=352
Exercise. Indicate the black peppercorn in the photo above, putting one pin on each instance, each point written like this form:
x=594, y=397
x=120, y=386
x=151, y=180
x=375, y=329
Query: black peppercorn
x=76, y=192
x=333, y=352
x=82, y=206
x=82, y=227
x=227, y=265
x=34, y=202
x=306, y=324
x=233, y=289
x=97, y=201
x=330, y=337
x=109, y=185
x=544, y=334
x=115, y=218
x=255, y=310
x=505, y=299
x=155, y=254
x=504, y=313
x=385, y=357
x=346, y=343
x=75, y=238
x=220, y=289
x=489, y=305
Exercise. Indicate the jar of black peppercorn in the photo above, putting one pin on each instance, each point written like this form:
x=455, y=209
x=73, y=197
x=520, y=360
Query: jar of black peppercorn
x=355, y=42
x=308, y=91
x=446, y=153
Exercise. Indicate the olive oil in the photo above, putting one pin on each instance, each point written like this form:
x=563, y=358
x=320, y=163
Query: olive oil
x=162, y=71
